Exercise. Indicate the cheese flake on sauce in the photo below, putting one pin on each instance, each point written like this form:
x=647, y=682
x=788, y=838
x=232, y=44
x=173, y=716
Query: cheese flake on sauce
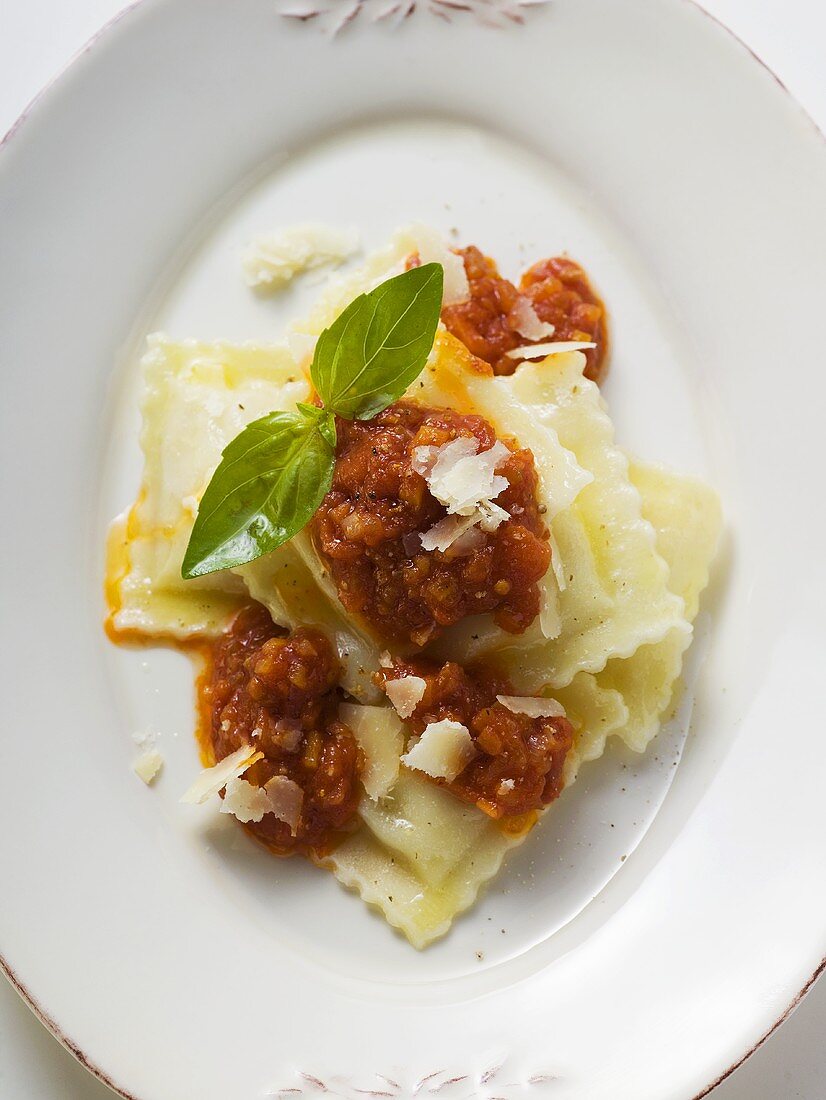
x=405, y=694
x=533, y=707
x=286, y=799
x=447, y=532
x=281, y=797
x=245, y=801
x=464, y=480
x=211, y=780
x=433, y=248
x=527, y=323
x=443, y=750
x=541, y=351
x=491, y=515
x=459, y=475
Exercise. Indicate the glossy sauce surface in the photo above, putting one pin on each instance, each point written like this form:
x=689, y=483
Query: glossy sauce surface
x=520, y=760
x=369, y=525
x=279, y=693
x=558, y=291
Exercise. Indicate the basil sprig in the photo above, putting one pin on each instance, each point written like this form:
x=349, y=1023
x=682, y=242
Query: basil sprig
x=371, y=353
x=270, y=480
x=273, y=476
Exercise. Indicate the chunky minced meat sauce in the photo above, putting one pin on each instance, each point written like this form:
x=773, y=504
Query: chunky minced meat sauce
x=520, y=760
x=560, y=294
x=279, y=693
x=368, y=527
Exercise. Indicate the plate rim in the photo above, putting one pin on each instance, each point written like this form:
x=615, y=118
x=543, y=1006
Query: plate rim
x=43, y=98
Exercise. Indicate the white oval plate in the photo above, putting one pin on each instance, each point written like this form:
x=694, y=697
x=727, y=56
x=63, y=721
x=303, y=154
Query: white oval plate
x=173, y=956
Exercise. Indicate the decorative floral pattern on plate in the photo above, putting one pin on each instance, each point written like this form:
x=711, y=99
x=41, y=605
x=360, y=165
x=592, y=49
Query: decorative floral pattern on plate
x=494, y=1083
x=334, y=15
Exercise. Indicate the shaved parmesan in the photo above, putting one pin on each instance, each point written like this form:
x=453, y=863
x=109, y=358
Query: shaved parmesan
x=380, y=737
x=526, y=322
x=148, y=765
x=491, y=515
x=281, y=797
x=534, y=708
x=286, y=799
x=274, y=260
x=443, y=751
x=211, y=780
x=550, y=620
x=468, y=543
x=539, y=351
x=464, y=481
x=447, y=532
x=433, y=248
x=425, y=458
x=245, y=801
x=459, y=477
x=405, y=694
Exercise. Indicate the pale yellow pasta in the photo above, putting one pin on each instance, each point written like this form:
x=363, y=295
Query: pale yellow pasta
x=342, y=289
x=197, y=397
x=380, y=265
x=422, y=857
x=146, y=594
x=595, y=713
x=687, y=517
x=425, y=855
x=631, y=552
x=612, y=595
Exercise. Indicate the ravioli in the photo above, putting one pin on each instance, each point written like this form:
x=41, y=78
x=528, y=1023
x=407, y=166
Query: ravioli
x=422, y=857
x=197, y=397
x=609, y=585
x=632, y=546
x=687, y=517
x=425, y=855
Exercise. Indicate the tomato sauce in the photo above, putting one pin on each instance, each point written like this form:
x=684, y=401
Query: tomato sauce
x=560, y=294
x=369, y=525
x=520, y=760
x=279, y=693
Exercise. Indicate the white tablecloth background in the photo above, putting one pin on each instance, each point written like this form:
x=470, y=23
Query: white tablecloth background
x=37, y=37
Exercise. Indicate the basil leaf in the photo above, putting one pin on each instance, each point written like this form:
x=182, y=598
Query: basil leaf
x=371, y=353
x=269, y=483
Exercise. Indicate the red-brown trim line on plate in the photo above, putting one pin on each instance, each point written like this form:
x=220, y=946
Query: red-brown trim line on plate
x=52, y=1025
x=70, y=64
x=48, y=1021
x=766, y=1035
x=756, y=57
